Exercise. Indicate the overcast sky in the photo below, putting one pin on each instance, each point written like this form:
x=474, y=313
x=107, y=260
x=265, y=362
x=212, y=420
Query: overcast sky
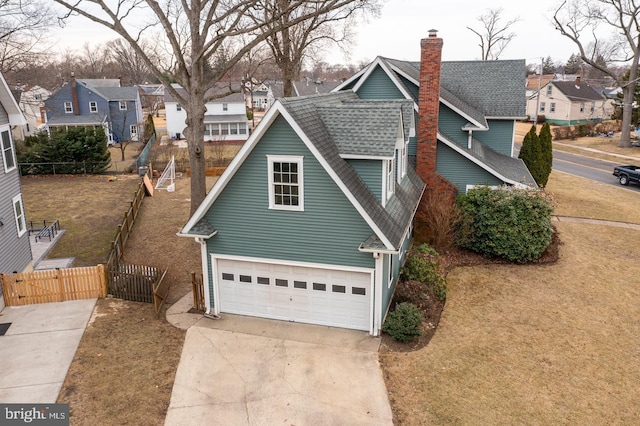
x=397, y=33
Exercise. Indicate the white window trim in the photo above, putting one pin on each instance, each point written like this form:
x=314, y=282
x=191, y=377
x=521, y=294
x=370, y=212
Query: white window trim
x=552, y=107
x=405, y=159
x=582, y=107
x=225, y=107
x=68, y=107
x=391, y=183
x=93, y=106
x=11, y=151
x=542, y=106
x=178, y=107
x=122, y=105
x=19, y=218
x=286, y=159
x=133, y=129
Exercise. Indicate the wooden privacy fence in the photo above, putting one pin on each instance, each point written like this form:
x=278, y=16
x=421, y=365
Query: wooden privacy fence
x=55, y=285
x=197, y=286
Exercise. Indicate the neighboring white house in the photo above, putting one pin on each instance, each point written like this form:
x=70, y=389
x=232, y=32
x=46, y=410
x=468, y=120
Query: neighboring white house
x=31, y=103
x=569, y=102
x=225, y=118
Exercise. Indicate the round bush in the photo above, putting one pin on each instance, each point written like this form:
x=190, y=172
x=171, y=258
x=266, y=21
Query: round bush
x=403, y=323
x=508, y=223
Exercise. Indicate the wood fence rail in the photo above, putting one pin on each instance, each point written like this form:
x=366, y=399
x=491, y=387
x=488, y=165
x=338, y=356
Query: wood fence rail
x=197, y=285
x=55, y=285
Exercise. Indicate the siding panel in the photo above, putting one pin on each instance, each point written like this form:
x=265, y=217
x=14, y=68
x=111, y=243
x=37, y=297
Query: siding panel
x=499, y=137
x=461, y=171
x=328, y=231
x=379, y=86
x=371, y=173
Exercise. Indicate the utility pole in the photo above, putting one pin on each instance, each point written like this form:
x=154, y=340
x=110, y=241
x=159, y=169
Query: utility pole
x=535, y=120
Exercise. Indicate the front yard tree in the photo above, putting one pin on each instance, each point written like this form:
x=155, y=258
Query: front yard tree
x=291, y=44
x=573, y=65
x=581, y=22
x=185, y=36
x=546, y=154
x=531, y=154
x=495, y=34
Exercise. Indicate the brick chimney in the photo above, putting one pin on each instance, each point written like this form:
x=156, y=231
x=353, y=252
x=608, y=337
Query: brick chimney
x=428, y=106
x=439, y=192
x=577, y=82
x=74, y=95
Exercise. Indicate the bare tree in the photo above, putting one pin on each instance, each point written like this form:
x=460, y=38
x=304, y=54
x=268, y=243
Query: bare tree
x=186, y=34
x=292, y=43
x=495, y=34
x=129, y=64
x=580, y=21
x=22, y=27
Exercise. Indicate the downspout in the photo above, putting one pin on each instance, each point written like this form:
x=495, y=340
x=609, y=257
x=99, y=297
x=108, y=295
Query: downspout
x=469, y=138
x=205, y=274
x=377, y=294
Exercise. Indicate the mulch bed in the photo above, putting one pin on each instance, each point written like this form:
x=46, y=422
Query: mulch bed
x=422, y=296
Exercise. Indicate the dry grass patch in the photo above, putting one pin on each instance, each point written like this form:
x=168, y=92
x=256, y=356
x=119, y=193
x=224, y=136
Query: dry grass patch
x=531, y=344
x=124, y=368
x=90, y=208
x=580, y=197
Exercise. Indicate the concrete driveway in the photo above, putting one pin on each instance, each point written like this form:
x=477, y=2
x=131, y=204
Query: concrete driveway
x=251, y=371
x=38, y=347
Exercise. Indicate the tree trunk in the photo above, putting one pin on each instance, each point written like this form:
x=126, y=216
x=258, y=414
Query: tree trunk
x=194, y=133
x=627, y=110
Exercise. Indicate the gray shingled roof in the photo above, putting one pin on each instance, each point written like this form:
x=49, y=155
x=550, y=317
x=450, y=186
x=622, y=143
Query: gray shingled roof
x=509, y=167
x=309, y=87
x=392, y=221
x=99, y=82
x=73, y=120
x=202, y=229
x=118, y=93
x=492, y=88
x=582, y=93
x=230, y=118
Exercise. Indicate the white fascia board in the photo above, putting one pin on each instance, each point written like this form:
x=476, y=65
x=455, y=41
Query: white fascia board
x=292, y=263
x=462, y=152
x=365, y=157
x=405, y=75
x=16, y=118
x=385, y=251
x=204, y=237
x=505, y=118
x=231, y=170
x=461, y=113
x=389, y=73
x=363, y=213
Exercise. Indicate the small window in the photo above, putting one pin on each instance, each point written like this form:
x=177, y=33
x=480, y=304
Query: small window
x=359, y=290
x=18, y=210
x=243, y=129
x=338, y=289
x=285, y=183
x=233, y=128
x=593, y=107
x=37, y=96
x=319, y=286
x=542, y=106
x=123, y=105
x=224, y=127
x=68, y=108
x=215, y=129
x=263, y=280
x=245, y=278
x=227, y=277
x=582, y=107
x=391, y=184
x=549, y=90
x=93, y=106
x=552, y=107
x=282, y=283
x=178, y=107
x=7, y=152
x=300, y=284
x=225, y=107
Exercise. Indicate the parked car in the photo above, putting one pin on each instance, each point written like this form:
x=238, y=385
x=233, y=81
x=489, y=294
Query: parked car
x=626, y=174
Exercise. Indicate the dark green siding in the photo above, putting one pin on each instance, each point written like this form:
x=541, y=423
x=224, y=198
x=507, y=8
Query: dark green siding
x=451, y=124
x=328, y=231
x=379, y=86
x=412, y=148
x=498, y=137
x=462, y=171
x=412, y=88
x=371, y=173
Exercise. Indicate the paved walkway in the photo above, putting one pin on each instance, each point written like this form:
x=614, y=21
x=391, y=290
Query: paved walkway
x=251, y=371
x=39, y=250
x=38, y=348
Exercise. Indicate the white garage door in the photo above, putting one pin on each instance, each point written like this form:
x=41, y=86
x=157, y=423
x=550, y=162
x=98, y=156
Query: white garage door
x=293, y=293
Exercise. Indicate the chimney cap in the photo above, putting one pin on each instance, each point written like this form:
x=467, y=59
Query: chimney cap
x=433, y=33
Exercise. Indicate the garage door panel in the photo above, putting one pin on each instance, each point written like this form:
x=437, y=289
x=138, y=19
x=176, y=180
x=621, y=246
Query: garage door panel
x=295, y=293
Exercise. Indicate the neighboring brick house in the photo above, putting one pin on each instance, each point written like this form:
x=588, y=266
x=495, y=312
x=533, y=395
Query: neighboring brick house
x=97, y=103
x=15, y=250
x=570, y=102
x=225, y=118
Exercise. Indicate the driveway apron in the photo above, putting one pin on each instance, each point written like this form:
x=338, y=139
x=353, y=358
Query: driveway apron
x=251, y=371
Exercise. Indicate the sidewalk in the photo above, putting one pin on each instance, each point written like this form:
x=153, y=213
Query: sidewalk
x=40, y=249
x=598, y=151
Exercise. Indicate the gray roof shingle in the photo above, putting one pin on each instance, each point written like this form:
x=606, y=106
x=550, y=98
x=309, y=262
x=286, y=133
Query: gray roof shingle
x=582, y=93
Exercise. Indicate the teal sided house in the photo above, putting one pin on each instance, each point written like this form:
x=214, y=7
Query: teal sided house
x=313, y=218
x=466, y=113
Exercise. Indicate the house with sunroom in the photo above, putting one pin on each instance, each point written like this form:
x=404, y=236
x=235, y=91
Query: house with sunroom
x=15, y=250
x=466, y=115
x=225, y=118
x=313, y=218
x=96, y=103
